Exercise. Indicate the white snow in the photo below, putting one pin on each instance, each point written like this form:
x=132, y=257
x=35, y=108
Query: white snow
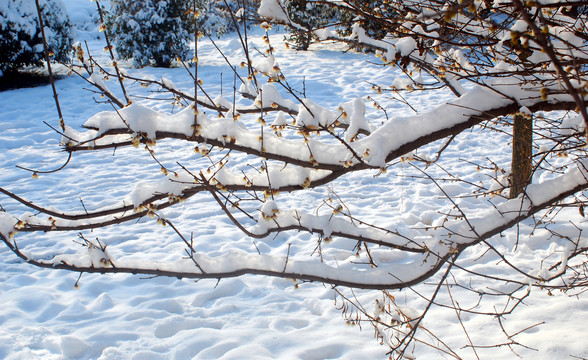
x=273, y=9
x=7, y=225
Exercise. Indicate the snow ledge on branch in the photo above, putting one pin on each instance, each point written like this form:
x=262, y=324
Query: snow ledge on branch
x=273, y=9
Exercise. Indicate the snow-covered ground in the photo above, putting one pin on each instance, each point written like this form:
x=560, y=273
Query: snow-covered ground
x=42, y=316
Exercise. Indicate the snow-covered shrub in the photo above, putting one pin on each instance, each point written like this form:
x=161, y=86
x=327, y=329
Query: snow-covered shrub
x=216, y=18
x=160, y=30
x=310, y=16
x=217, y=15
x=21, y=43
x=152, y=30
x=374, y=26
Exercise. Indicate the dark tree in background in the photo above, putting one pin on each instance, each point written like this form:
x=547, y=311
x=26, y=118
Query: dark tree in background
x=21, y=43
x=152, y=30
x=309, y=16
x=158, y=32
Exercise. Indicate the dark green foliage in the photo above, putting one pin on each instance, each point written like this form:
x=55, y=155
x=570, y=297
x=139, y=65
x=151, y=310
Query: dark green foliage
x=158, y=31
x=310, y=16
x=21, y=43
x=376, y=26
x=152, y=30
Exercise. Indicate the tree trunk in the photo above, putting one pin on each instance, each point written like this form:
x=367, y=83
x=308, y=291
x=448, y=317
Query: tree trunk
x=522, y=151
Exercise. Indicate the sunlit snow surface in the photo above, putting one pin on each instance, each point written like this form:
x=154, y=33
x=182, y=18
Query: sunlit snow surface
x=128, y=317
